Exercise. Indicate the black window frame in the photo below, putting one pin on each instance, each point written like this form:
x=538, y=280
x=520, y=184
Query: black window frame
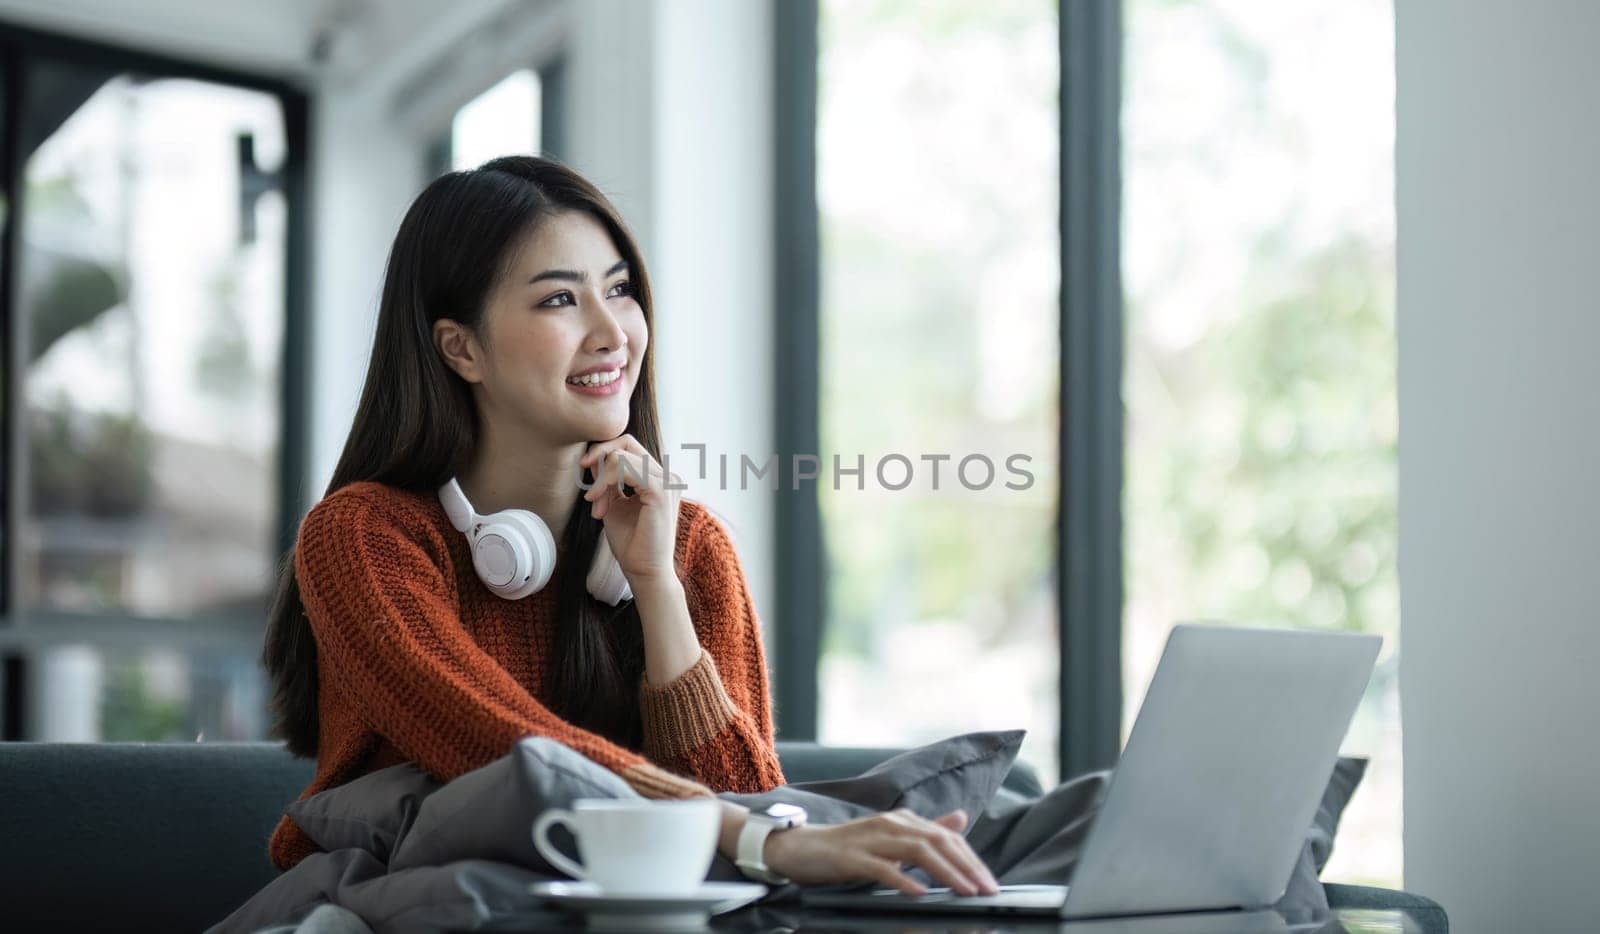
x=21, y=635
x=1088, y=539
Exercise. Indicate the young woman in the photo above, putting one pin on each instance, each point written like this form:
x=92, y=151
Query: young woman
x=511, y=370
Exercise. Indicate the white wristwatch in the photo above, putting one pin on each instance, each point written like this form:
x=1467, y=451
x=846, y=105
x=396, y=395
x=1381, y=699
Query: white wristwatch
x=753, y=839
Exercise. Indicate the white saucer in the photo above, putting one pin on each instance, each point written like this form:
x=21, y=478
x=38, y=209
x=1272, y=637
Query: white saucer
x=614, y=912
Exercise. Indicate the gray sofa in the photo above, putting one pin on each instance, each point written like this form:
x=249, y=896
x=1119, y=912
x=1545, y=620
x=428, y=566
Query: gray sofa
x=173, y=837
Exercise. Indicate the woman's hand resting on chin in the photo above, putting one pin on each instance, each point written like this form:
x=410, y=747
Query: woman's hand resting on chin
x=641, y=528
x=876, y=847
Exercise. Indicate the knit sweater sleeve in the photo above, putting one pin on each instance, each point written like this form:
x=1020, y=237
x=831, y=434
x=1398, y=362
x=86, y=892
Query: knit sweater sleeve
x=385, y=616
x=714, y=721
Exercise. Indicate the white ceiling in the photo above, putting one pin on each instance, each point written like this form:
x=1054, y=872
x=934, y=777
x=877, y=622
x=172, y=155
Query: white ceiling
x=344, y=43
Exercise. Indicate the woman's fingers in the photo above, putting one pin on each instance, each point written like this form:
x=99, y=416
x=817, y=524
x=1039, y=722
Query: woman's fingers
x=879, y=848
x=598, y=459
x=623, y=474
x=631, y=473
x=631, y=443
x=600, y=449
x=620, y=469
x=960, y=850
x=624, y=468
x=942, y=837
x=957, y=850
x=887, y=873
x=606, y=487
x=926, y=854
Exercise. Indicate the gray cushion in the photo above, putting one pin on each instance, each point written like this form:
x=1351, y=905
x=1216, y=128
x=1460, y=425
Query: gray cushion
x=810, y=762
x=960, y=772
x=1305, y=899
x=488, y=813
x=369, y=813
x=1347, y=774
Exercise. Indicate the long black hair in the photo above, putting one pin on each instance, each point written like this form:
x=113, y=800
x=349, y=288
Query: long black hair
x=417, y=425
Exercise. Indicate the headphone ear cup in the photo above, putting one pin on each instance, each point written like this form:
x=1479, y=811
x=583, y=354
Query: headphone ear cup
x=514, y=553
x=606, y=582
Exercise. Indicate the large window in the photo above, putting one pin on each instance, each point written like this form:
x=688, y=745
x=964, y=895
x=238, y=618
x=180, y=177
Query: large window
x=938, y=361
x=1251, y=346
x=1258, y=258
x=147, y=317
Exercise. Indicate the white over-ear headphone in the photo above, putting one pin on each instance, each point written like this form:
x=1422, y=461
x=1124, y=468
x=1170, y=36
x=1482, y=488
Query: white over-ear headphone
x=515, y=554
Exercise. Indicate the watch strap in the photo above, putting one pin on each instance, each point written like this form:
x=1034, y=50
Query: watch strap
x=752, y=841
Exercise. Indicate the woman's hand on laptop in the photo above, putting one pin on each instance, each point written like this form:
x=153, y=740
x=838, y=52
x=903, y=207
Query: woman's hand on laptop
x=876, y=847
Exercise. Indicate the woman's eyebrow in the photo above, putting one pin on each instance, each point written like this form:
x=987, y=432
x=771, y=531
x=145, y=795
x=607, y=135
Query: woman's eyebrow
x=574, y=275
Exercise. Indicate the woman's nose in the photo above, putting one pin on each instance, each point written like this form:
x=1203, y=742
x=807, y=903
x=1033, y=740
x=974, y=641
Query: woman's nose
x=607, y=328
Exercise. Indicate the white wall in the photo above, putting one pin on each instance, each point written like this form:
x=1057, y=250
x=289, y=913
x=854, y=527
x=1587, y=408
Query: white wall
x=713, y=256
x=363, y=176
x=1498, y=180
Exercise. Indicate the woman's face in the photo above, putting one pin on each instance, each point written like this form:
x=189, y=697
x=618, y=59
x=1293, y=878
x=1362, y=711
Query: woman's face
x=563, y=336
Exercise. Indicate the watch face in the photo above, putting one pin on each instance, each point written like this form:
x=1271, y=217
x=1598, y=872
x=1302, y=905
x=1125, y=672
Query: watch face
x=785, y=812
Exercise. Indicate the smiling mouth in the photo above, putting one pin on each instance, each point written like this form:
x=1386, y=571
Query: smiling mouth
x=603, y=378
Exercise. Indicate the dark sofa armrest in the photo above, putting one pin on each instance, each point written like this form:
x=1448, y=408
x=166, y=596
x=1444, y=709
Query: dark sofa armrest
x=1427, y=913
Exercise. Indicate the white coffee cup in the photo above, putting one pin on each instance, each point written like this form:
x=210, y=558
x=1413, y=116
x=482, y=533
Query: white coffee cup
x=635, y=846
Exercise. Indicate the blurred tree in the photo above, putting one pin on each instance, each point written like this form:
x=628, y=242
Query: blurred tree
x=80, y=463
x=74, y=294
x=96, y=464
x=223, y=367
x=1295, y=522
x=130, y=713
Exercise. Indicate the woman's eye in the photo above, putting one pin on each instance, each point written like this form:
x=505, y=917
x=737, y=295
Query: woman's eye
x=625, y=287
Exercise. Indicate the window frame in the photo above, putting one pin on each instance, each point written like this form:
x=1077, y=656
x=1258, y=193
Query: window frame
x=800, y=581
x=23, y=633
x=1089, y=585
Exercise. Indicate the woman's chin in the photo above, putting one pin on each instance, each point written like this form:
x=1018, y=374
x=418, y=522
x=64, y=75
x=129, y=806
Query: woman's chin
x=604, y=428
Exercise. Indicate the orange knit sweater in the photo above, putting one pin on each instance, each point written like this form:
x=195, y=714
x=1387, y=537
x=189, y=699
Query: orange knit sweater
x=417, y=661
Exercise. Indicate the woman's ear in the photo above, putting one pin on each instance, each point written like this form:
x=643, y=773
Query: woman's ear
x=460, y=349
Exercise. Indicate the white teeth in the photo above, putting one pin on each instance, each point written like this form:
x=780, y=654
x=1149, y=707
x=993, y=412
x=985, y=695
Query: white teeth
x=597, y=379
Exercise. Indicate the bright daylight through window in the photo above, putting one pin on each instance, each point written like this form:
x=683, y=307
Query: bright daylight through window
x=1259, y=376
x=936, y=176
x=1259, y=381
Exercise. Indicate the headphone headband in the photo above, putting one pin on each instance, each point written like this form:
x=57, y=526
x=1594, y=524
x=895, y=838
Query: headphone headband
x=461, y=513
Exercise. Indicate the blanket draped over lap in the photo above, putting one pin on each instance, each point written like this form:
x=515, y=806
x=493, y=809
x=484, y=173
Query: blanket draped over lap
x=402, y=852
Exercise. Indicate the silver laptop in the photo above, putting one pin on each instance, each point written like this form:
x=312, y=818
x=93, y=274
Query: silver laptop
x=1221, y=778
